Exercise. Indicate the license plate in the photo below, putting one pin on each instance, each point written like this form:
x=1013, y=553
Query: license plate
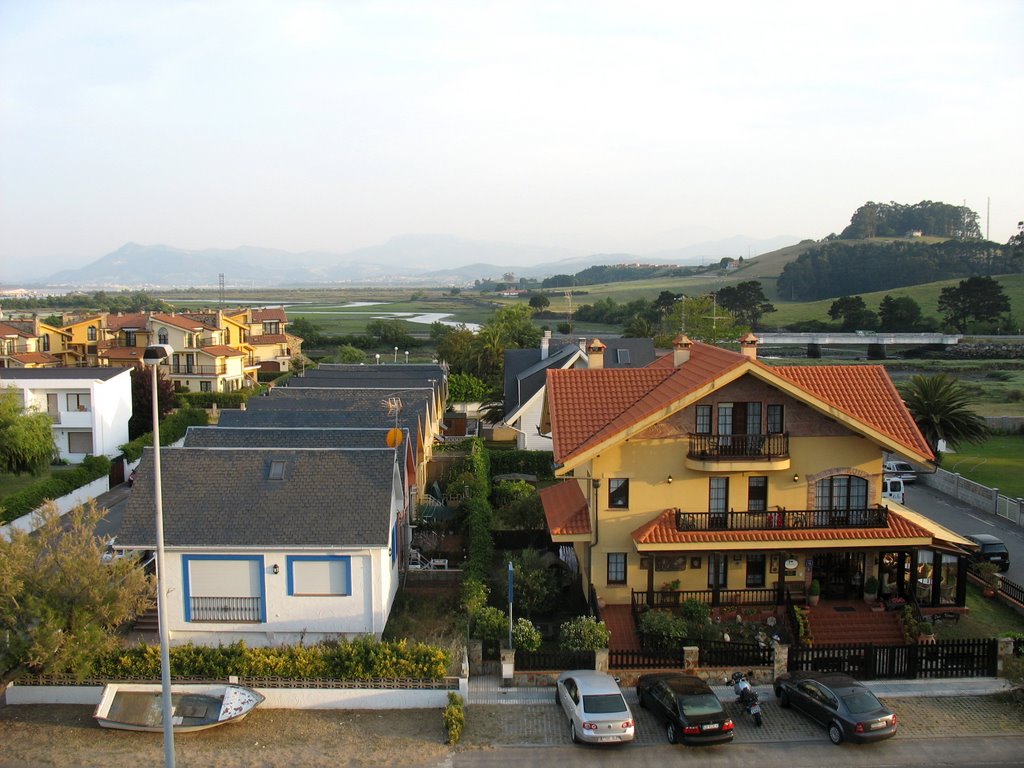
x=709, y=727
x=756, y=709
x=879, y=724
x=609, y=738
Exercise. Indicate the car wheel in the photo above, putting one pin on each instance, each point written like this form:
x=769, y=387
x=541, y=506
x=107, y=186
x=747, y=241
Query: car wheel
x=641, y=698
x=835, y=733
x=672, y=733
x=572, y=733
x=784, y=701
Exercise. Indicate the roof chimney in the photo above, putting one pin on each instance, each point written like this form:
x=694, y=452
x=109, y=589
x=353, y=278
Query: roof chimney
x=595, y=354
x=680, y=350
x=748, y=346
x=545, y=345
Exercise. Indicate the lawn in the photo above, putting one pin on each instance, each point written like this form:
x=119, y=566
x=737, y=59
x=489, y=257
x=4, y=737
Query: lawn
x=13, y=483
x=995, y=463
x=988, y=617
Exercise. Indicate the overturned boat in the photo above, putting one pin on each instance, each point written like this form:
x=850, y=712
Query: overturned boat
x=139, y=706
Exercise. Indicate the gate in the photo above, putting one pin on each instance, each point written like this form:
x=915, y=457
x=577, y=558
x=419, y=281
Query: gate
x=946, y=658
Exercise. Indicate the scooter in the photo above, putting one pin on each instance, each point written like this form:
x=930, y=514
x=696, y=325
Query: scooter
x=746, y=696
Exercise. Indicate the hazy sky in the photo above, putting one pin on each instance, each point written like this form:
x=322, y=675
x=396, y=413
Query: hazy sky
x=619, y=126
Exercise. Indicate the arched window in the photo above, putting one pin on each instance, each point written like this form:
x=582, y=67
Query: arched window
x=841, y=492
x=161, y=336
x=91, y=333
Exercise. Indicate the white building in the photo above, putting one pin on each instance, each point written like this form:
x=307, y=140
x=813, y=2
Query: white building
x=89, y=407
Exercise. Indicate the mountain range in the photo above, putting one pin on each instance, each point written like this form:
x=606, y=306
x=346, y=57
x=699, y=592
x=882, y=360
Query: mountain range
x=407, y=259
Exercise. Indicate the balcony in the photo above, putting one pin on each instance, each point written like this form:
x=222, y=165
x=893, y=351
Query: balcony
x=738, y=452
x=225, y=609
x=183, y=369
x=80, y=419
x=783, y=519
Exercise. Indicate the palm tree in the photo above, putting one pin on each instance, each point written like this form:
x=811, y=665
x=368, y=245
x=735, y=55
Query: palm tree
x=940, y=406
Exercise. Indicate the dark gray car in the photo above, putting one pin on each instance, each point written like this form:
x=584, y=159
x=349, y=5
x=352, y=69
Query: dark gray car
x=990, y=550
x=690, y=709
x=845, y=707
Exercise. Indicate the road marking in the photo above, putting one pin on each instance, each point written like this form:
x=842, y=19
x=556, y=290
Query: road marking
x=981, y=520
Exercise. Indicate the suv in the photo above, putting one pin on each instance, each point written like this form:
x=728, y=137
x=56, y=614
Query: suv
x=990, y=550
x=901, y=469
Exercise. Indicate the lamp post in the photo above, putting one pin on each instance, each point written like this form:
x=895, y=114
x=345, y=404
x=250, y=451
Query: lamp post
x=407, y=356
x=396, y=354
x=153, y=356
x=378, y=358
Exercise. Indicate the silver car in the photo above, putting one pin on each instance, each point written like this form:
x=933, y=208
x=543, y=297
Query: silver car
x=596, y=709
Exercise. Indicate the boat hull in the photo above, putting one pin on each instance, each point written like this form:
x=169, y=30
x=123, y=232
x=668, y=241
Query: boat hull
x=139, y=707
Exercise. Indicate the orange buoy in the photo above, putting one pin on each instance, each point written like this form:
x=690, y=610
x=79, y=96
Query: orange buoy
x=394, y=437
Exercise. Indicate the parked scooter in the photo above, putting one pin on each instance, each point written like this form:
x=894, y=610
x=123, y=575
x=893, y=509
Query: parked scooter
x=746, y=696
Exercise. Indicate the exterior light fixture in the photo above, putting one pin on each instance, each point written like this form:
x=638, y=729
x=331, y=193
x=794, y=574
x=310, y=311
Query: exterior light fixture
x=276, y=569
x=796, y=477
x=669, y=480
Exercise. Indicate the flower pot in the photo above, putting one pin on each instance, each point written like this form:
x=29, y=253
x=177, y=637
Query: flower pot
x=813, y=599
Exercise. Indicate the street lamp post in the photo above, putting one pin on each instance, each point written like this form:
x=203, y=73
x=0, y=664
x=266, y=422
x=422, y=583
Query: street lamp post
x=407, y=356
x=153, y=356
x=396, y=354
x=378, y=358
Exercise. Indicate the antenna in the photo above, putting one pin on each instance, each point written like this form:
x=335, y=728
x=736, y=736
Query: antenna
x=220, y=278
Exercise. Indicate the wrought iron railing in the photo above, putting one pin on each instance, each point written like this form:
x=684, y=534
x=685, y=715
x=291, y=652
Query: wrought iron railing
x=773, y=446
x=199, y=370
x=230, y=609
x=781, y=518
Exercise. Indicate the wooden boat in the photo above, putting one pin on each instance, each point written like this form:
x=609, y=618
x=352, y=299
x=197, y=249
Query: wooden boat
x=139, y=706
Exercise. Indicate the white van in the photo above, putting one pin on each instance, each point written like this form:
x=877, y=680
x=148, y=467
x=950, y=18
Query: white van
x=892, y=488
x=902, y=469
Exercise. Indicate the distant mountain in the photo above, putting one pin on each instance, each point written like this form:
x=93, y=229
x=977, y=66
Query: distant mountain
x=408, y=259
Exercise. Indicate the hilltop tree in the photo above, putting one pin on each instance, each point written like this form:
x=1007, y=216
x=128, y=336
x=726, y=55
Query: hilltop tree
x=901, y=313
x=978, y=298
x=941, y=408
x=60, y=604
x=26, y=436
x=746, y=301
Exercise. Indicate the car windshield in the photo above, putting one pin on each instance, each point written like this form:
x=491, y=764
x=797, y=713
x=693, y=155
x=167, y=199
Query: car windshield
x=604, y=703
x=860, y=702
x=701, y=704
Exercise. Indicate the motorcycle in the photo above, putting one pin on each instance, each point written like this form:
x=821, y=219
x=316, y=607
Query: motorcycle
x=746, y=696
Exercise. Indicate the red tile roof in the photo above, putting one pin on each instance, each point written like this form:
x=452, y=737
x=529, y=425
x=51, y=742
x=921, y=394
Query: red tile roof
x=662, y=530
x=269, y=313
x=132, y=320
x=221, y=350
x=180, y=321
x=587, y=407
x=123, y=353
x=269, y=338
x=565, y=508
x=10, y=330
x=35, y=358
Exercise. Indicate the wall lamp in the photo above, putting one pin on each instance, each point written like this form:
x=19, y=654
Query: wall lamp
x=669, y=480
x=595, y=483
x=276, y=569
x=796, y=477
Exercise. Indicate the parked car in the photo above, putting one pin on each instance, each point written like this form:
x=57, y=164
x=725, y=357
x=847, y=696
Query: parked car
x=845, y=707
x=691, y=711
x=892, y=488
x=901, y=469
x=595, y=706
x=990, y=550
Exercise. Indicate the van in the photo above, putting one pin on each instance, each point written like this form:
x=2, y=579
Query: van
x=902, y=469
x=892, y=488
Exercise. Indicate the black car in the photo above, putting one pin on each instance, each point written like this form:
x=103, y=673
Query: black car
x=691, y=711
x=990, y=550
x=845, y=707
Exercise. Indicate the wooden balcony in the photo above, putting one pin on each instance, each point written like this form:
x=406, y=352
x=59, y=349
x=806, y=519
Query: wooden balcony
x=738, y=452
x=783, y=519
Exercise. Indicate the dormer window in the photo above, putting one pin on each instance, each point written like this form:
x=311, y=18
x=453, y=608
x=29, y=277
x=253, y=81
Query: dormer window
x=276, y=470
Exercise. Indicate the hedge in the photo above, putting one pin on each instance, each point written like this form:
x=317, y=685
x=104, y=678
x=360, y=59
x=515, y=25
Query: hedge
x=539, y=463
x=34, y=496
x=209, y=399
x=172, y=429
x=363, y=658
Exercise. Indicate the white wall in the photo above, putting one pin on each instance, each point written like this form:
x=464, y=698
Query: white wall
x=111, y=408
x=528, y=439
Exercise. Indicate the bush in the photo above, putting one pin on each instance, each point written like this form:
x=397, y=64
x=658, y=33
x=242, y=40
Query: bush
x=34, y=496
x=454, y=717
x=525, y=636
x=209, y=399
x=491, y=625
x=662, y=630
x=507, y=492
x=539, y=463
x=695, y=612
x=172, y=429
x=583, y=633
x=815, y=589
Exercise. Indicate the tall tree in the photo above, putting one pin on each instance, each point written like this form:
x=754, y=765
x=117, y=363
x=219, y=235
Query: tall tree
x=978, y=298
x=941, y=408
x=60, y=604
x=901, y=313
x=854, y=313
x=702, y=319
x=746, y=301
x=141, y=420
x=26, y=436
x=539, y=301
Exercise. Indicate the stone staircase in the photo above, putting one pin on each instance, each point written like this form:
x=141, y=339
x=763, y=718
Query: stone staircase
x=148, y=621
x=852, y=622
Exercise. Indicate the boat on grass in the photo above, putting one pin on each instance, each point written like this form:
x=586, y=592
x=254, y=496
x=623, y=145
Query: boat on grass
x=139, y=706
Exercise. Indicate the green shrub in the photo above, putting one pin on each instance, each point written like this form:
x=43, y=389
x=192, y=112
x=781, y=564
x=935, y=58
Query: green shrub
x=662, y=630
x=209, y=399
x=172, y=429
x=583, y=633
x=491, y=624
x=474, y=596
x=454, y=716
x=695, y=612
x=34, y=496
x=539, y=463
x=525, y=636
x=508, y=492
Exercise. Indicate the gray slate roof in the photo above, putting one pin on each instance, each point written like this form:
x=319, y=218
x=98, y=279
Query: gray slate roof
x=224, y=498
x=299, y=407
x=297, y=437
x=72, y=374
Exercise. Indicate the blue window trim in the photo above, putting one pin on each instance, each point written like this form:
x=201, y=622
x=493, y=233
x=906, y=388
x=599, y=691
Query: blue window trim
x=345, y=560
x=186, y=586
x=394, y=544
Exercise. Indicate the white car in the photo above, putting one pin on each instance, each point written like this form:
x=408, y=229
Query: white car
x=901, y=469
x=596, y=709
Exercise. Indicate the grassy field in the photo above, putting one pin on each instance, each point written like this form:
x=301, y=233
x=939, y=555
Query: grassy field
x=998, y=463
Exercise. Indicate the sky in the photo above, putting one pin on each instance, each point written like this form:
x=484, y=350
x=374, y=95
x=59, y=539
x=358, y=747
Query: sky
x=584, y=125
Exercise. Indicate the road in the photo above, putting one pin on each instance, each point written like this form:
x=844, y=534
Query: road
x=964, y=519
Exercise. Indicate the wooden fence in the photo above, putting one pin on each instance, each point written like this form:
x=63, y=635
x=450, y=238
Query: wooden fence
x=943, y=658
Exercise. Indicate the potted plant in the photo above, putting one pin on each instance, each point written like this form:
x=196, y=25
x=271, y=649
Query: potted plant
x=988, y=573
x=814, y=593
x=925, y=631
x=870, y=589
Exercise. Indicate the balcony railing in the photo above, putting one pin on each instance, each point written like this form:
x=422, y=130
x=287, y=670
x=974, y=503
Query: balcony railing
x=184, y=369
x=228, y=609
x=773, y=446
x=783, y=519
